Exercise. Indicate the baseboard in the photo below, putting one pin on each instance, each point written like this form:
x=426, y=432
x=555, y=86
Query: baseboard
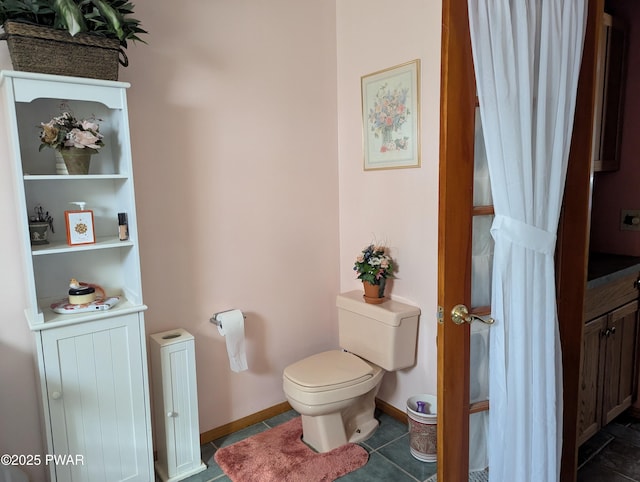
x=267, y=413
x=244, y=422
x=392, y=411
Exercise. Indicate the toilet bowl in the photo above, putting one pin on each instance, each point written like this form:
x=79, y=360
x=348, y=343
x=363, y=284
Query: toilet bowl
x=334, y=391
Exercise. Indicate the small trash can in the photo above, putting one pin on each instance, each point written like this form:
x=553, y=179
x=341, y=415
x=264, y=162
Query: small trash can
x=422, y=427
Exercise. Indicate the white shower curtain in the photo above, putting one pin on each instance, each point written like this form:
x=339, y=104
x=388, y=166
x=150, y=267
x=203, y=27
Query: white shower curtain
x=527, y=56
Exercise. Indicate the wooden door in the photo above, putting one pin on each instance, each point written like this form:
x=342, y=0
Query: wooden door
x=457, y=105
x=457, y=109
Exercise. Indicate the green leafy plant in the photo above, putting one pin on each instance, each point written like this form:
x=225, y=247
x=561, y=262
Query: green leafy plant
x=108, y=18
x=374, y=265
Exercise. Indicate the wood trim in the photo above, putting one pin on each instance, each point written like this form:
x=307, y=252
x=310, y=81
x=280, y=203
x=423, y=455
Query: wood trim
x=267, y=413
x=457, y=132
x=607, y=297
x=572, y=246
x=393, y=412
x=480, y=310
x=229, y=428
x=479, y=406
x=483, y=211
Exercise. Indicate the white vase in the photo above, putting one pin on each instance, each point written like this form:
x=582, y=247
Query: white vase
x=61, y=167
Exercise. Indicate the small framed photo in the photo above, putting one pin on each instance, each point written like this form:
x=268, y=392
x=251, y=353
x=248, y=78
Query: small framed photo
x=391, y=117
x=80, y=228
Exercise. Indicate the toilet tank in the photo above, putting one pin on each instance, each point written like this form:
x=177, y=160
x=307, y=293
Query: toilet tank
x=384, y=334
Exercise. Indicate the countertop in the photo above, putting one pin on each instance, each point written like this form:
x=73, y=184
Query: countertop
x=605, y=267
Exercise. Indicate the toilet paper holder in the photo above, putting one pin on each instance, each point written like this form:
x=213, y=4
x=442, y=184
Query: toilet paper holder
x=214, y=319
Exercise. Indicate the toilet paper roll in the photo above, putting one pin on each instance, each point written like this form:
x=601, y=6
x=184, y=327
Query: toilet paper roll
x=232, y=328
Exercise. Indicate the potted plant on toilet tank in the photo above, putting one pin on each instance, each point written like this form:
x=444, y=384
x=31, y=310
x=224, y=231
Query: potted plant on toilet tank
x=374, y=266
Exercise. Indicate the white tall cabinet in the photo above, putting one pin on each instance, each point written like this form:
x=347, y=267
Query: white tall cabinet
x=92, y=366
x=173, y=368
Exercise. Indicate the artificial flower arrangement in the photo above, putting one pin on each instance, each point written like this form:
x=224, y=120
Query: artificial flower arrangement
x=66, y=131
x=41, y=216
x=374, y=265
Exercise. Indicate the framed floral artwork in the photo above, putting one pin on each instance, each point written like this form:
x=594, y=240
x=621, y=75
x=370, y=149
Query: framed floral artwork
x=391, y=117
x=80, y=228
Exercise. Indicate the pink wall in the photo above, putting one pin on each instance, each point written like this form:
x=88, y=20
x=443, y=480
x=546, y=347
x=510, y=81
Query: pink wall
x=398, y=207
x=246, y=136
x=233, y=119
x=20, y=429
x=614, y=191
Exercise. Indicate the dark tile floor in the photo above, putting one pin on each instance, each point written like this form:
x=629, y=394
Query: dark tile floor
x=613, y=454
x=389, y=456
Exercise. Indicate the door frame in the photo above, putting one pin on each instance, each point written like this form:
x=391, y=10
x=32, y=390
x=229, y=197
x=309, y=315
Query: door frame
x=457, y=105
x=572, y=248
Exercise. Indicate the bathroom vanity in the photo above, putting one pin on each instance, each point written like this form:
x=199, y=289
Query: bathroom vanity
x=610, y=338
x=92, y=366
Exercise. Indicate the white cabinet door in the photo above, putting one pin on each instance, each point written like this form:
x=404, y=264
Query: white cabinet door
x=97, y=394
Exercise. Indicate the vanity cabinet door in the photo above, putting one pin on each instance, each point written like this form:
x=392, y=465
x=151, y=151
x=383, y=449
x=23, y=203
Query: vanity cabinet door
x=593, y=356
x=94, y=374
x=608, y=378
x=619, y=379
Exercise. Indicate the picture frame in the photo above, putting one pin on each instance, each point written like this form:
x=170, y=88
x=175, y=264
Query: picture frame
x=391, y=117
x=80, y=227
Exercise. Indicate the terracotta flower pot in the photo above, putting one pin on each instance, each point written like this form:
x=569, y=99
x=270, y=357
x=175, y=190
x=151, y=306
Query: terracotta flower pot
x=374, y=294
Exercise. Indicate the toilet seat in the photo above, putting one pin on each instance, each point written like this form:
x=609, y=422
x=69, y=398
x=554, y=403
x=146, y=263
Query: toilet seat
x=329, y=370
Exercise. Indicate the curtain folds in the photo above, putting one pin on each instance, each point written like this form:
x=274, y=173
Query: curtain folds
x=527, y=56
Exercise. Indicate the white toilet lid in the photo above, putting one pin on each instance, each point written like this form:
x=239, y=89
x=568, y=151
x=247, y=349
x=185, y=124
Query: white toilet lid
x=330, y=369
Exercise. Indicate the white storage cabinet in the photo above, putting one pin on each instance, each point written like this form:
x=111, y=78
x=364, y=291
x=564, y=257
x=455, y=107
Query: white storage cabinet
x=175, y=398
x=92, y=366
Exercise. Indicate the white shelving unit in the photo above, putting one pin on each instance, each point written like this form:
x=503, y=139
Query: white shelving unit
x=71, y=347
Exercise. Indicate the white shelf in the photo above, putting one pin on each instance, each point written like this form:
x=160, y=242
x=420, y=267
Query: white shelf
x=57, y=247
x=69, y=177
x=56, y=320
x=27, y=100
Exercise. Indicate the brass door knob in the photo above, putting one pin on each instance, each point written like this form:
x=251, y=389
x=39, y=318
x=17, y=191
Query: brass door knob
x=460, y=314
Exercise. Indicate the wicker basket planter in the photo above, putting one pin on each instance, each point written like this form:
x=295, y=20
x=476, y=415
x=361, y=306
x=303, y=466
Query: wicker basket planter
x=34, y=48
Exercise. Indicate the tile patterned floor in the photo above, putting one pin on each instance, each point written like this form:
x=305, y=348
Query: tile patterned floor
x=389, y=456
x=613, y=454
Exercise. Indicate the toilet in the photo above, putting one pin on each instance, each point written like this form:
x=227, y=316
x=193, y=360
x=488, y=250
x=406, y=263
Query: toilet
x=334, y=391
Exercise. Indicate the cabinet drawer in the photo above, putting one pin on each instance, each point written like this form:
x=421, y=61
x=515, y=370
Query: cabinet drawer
x=608, y=296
